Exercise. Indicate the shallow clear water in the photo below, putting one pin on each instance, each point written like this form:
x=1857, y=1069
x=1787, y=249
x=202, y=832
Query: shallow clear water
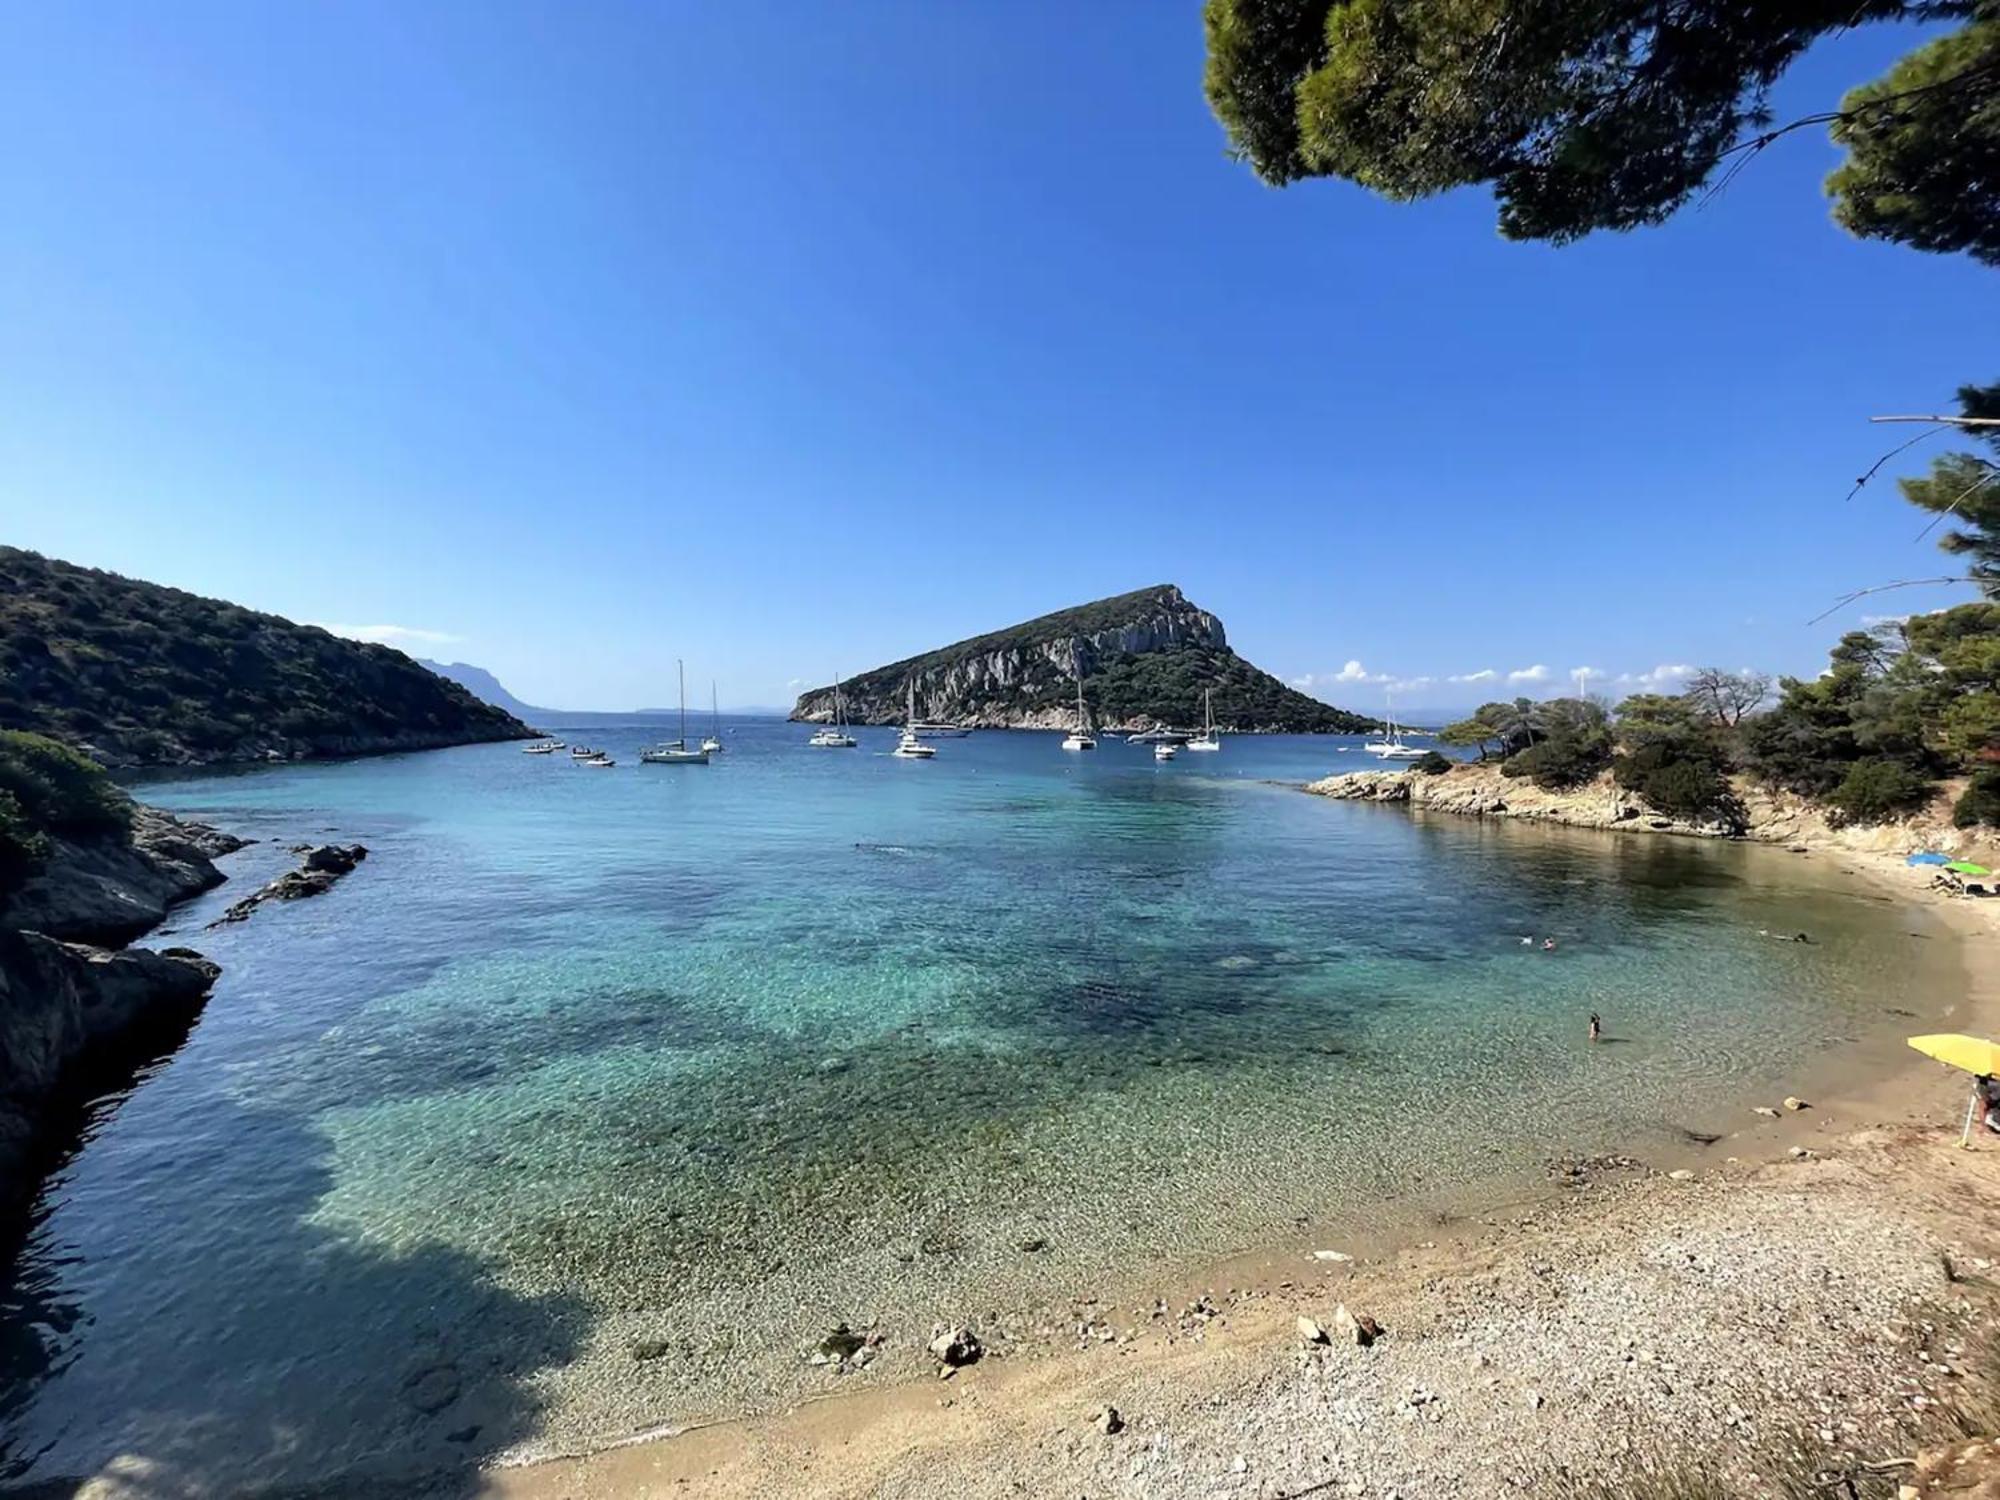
x=719, y=1056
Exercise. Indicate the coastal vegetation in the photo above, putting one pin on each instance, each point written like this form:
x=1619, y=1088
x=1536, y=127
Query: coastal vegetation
x=1582, y=116
x=1146, y=657
x=48, y=791
x=137, y=674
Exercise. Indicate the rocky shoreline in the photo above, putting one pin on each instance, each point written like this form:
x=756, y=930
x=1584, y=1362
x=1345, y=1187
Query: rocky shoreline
x=1478, y=789
x=78, y=1010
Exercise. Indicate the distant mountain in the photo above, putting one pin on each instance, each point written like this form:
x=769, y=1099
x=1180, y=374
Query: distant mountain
x=1146, y=658
x=138, y=674
x=484, y=685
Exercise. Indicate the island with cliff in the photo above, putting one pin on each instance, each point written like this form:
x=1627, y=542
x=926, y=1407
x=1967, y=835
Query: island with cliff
x=1145, y=659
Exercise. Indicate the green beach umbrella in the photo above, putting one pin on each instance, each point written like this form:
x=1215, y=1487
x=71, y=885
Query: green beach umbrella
x=1967, y=867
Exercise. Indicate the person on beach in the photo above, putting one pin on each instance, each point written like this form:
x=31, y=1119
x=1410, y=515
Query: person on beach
x=1989, y=1101
x=1596, y=1027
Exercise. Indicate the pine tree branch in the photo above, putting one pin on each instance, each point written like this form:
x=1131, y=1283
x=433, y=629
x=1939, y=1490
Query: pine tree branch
x=1881, y=588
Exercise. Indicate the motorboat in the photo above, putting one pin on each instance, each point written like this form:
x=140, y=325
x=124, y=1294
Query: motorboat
x=1206, y=740
x=676, y=752
x=540, y=749
x=1164, y=751
x=940, y=731
x=598, y=762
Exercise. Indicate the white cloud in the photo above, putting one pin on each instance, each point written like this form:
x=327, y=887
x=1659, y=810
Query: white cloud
x=1665, y=678
x=795, y=682
x=1536, y=673
x=391, y=635
x=1589, y=674
x=1353, y=674
x=1485, y=674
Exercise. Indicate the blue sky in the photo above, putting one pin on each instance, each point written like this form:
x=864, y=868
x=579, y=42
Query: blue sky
x=572, y=339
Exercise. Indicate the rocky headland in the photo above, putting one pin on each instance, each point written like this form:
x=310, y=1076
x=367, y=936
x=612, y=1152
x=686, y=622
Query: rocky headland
x=138, y=674
x=77, y=1009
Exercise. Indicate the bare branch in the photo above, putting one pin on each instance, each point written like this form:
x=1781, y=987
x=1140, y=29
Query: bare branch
x=1882, y=588
x=1876, y=467
x=1985, y=479
x=1945, y=421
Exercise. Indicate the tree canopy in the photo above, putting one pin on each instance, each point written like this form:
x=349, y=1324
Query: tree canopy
x=1602, y=114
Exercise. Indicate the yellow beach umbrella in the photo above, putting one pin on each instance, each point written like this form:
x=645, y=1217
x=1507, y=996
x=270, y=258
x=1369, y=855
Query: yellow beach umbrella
x=1973, y=1054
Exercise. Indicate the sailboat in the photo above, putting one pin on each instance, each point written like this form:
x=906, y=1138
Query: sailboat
x=1206, y=740
x=908, y=745
x=714, y=740
x=834, y=736
x=676, y=752
x=1079, y=737
x=1393, y=747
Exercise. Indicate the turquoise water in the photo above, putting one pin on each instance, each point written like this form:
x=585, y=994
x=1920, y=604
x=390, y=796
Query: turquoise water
x=717, y=1057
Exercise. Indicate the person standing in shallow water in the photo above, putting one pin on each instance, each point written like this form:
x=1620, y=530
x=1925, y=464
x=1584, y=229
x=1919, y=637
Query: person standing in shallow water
x=1596, y=1027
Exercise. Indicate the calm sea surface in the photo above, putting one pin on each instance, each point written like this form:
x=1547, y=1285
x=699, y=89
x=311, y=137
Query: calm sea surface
x=691, y=1063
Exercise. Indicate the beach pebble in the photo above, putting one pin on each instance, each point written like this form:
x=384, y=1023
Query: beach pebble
x=1794, y=1104
x=957, y=1345
x=1334, y=1257
x=1681, y=1175
x=1107, y=1420
x=1798, y=1153
x=644, y=1349
x=1355, y=1328
x=1311, y=1332
x=1766, y=1111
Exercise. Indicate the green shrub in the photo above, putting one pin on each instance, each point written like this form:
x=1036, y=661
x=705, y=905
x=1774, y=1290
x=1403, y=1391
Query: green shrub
x=1559, y=763
x=1878, y=788
x=56, y=790
x=23, y=847
x=1979, y=802
x=1682, y=777
x=1434, y=764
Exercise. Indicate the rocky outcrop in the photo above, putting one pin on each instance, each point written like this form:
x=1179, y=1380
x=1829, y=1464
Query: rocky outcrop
x=112, y=890
x=1478, y=789
x=322, y=866
x=75, y=1018
x=1146, y=658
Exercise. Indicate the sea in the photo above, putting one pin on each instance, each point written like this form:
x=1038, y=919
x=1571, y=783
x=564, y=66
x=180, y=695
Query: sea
x=594, y=1098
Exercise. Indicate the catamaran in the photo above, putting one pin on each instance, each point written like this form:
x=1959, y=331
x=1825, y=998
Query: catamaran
x=1206, y=740
x=676, y=752
x=834, y=736
x=714, y=740
x=1079, y=738
x=908, y=745
x=1393, y=747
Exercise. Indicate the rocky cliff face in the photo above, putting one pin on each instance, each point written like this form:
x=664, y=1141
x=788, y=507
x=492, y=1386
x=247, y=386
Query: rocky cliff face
x=1145, y=659
x=75, y=1018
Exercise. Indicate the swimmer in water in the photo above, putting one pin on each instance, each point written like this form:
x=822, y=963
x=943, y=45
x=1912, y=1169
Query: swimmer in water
x=1548, y=945
x=1596, y=1027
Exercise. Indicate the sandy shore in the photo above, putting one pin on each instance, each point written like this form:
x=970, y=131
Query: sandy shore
x=1811, y=1281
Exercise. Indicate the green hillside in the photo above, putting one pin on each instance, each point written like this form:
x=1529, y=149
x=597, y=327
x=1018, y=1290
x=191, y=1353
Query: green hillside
x=138, y=674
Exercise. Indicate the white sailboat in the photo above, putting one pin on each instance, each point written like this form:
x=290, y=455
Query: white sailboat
x=1079, y=737
x=714, y=740
x=1393, y=747
x=834, y=736
x=908, y=745
x=1206, y=740
x=676, y=752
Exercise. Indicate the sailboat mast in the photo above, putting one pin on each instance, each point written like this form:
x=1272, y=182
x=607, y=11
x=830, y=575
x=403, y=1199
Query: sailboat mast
x=681, y=667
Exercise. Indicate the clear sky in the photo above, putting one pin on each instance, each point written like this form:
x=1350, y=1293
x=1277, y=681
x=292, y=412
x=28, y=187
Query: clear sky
x=571, y=339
